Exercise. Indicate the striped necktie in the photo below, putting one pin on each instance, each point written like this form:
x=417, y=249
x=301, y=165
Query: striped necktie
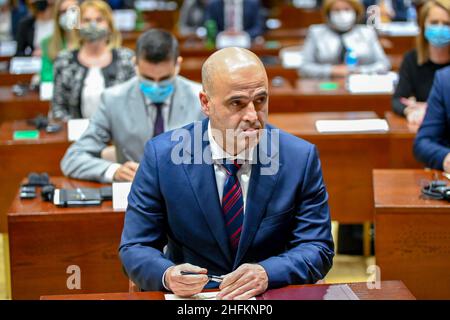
x=233, y=205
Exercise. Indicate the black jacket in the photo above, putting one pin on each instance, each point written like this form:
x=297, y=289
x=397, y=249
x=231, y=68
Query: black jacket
x=25, y=36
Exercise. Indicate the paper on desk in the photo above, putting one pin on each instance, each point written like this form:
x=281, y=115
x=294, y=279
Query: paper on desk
x=75, y=128
x=8, y=48
x=360, y=125
x=291, y=59
x=120, y=195
x=371, y=83
x=225, y=40
x=46, y=91
x=199, y=296
x=399, y=28
x=25, y=65
x=125, y=20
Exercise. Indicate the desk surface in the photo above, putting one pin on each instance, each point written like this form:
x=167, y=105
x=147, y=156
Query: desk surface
x=412, y=232
x=400, y=189
x=390, y=290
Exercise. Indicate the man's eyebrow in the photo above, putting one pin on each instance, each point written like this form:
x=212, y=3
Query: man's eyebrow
x=236, y=97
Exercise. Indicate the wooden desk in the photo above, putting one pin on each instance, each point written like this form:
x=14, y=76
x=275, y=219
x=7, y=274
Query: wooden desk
x=390, y=290
x=412, y=237
x=18, y=158
x=45, y=240
x=17, y=108
x=349, y=158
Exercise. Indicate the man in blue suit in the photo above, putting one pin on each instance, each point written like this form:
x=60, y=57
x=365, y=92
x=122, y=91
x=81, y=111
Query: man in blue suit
x=229, y=196
x=432, y=143
x=253, y=20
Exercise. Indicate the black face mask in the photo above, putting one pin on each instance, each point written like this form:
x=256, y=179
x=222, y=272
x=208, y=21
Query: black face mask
x=40, y=5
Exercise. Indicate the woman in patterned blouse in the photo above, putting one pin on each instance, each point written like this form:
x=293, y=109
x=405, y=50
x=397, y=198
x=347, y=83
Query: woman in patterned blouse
x=81, y=75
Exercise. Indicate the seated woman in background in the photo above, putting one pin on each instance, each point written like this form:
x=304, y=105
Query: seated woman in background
x=326, y=45
x=419, y=65
x=61, y=38
x=81, y=75
x=11, y=12
x=34, y=28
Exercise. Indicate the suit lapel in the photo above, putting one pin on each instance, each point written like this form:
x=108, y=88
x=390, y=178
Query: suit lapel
x=260, y=189
x=203, y=181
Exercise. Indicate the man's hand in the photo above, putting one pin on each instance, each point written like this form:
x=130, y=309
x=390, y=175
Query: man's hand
x=188, y=285
x=244, y=283
x=447, y=163
x=340, y=71
x=126, y=172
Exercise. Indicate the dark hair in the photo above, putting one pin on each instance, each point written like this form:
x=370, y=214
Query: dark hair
x=157, y=45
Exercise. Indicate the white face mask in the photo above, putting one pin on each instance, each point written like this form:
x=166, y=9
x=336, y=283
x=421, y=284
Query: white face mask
x=64, y=21
x=343, y=20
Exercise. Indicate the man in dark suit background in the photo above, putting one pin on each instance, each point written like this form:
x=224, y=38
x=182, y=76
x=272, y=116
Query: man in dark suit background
x=230, y=196
x=252, y=16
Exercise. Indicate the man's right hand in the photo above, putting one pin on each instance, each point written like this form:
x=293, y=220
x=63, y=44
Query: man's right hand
x=126, y=172
x=185, y=285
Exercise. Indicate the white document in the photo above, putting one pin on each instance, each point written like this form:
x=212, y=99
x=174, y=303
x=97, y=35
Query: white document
x=225, y=40
x=199, y=296
x=399, y=29
x=8, y=48
x=339, y=291
x=362, y=125
x=291, y=59
x=75, y=128
x=25, y=65
x=125, y=20
x=371, y=83
x=46, y=91
x=120, y=191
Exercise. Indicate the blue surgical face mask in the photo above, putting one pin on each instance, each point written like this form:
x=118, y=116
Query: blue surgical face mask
x=438, y=35
x=157, y=92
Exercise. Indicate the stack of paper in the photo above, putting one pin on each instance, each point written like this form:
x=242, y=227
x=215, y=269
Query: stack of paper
x=399, y=28
x=362, y=125
x=371, y=83
x=25, y=65
x=75, y=128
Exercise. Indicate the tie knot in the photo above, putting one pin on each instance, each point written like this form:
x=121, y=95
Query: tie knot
x=158, y=105
x=232, y=168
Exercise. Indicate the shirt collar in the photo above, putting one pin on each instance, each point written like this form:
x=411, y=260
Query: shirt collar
x=218, y=153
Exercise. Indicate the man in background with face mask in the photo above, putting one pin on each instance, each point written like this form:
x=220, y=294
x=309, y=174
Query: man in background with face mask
x=327, y=45
x=154, y=101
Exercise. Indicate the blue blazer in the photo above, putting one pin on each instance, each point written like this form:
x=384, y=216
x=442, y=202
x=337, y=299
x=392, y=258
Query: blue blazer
x=174, y=213
x=432, y=141
x=253, y=18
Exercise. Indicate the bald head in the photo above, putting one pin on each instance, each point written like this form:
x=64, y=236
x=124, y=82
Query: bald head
x=222, y=64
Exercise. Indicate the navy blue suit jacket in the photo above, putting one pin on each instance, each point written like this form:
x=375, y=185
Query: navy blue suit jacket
x=432, y=141
x=252, y=20
x=286, y=227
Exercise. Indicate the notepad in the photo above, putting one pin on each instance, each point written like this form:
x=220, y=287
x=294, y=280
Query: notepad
x=46, y=91
x=125, y=19
x=291, y=59
x=371, y=83
x=362, y=125
x=199, y=296
x=120, y=191
x=25, y=65
x=26, y=135
x=76, y=128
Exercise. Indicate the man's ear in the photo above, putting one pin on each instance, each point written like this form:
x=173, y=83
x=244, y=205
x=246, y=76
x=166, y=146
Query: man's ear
x=204, y=101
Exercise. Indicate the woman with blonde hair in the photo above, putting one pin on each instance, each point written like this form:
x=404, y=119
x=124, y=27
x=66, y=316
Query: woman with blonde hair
x=419, y=65
x=62, y=37
x=81, y=75
x=327, y=45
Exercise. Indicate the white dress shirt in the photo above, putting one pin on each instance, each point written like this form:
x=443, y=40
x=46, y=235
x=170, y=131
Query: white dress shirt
x=93, y=87
x=243, y=175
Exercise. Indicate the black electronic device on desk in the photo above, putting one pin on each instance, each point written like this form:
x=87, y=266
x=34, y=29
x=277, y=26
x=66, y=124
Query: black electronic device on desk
x=81, y=197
